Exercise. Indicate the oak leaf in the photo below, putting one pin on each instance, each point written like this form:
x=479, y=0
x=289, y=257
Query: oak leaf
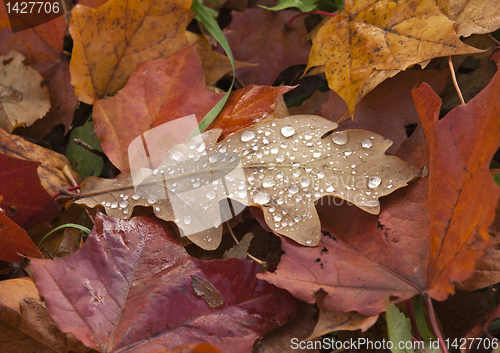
x=157, y=92
x=280, y=165
x=22, y=197
x=380, y=35
x=129, y=288
x=472, y=17
x=259, y=36
x=110, y=41
x=52, y=163
x=25, y=324
x=42, y=47
x=22, y=99
x=440, y=221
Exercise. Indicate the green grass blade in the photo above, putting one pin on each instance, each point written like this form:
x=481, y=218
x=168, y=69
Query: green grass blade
x=67, y=225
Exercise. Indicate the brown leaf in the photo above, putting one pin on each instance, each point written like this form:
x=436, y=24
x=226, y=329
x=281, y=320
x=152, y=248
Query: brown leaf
x=157, y=92
x=50, y=171
x=388, y=108
x=129, y=289
x=207, y=291
x=259, y=36
x=239, y=251
x=280, y=165
x=330, y=320
x=247, y=106
x=25, y=325
x=108, y=46
x=381, y=35
x=42, y=47
x=22, y=99
x=472, y=17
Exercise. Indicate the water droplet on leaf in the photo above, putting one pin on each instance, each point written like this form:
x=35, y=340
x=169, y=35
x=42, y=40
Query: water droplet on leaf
x=287, y=131
x=340, y=138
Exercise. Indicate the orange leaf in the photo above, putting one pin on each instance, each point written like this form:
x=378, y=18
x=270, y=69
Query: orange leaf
x=381, y=35
x=14, y=241
x=110, y=41
x=157, y=92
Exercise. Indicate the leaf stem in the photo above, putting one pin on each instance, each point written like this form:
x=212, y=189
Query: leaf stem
x=411, y=314
x=454, y=78
x=324, y=13
x=435, y=326
x=69, y=189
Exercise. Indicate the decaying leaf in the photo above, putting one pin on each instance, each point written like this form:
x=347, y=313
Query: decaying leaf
x=52, y=163
x=108, y=45
x=22, y=99
x=472, y=16
x=25, y=325
x=129, y=289
x=23, y=199
x=280, y=165
x=259, y=36
x=14, y=241
x=42, y=47
x=158, y=91
x=381, y=35
x=239, y=251
x=207, y=291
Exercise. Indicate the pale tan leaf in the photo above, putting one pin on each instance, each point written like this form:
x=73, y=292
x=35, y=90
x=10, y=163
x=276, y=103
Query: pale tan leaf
x=279, y=165
x=239, y=251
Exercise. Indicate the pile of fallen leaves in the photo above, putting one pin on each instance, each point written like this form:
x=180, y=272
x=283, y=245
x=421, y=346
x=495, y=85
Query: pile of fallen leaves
x=344, y=175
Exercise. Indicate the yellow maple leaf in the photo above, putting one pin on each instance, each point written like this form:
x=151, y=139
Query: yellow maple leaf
x=375, y=35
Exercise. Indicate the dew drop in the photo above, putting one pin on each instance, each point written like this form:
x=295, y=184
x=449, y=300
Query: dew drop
x=277, y=218
x=211, y=194
x=123, y=204
x=247, y=136
x=267, y=183
x=125, y=211
x=287, y=131
x=176, y=155
x=280, y=201
x=262, y=198
x=201, y=147
x=309, y=241
x=122, y=195
x=347, y=153
x=125, y=197
x=340, y=138
x=242, y=194
x=293, y=189
x=271, y=209
x=296, y=218
x=196, y=185
x=320, y=175
x=213, y=158
x=157, y=209
x=308, y=137
x=223, y=149
x=114, y=205
x=155, y=172
x=317, y=154
x=373, y=182
x=136, y=197
x=187, y=219
x=330, y=189
x=296, y=173
x=298, y=198
x=279, y=176
x=305, y=183
x=230, y=177
x=366, y=143
x=280, y=159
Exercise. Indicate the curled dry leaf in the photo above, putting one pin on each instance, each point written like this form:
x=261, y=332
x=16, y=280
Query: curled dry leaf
x=472, y=16
x=279, y=165
x=381, y=35
x=130, y=289
x=52, y=163
x=25, y=325
x=22, y=99
x=108, y=46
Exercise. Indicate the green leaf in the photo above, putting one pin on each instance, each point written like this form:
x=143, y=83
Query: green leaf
x=399, y=328
x=203, y=15
x=84, y=162
x=302, y=5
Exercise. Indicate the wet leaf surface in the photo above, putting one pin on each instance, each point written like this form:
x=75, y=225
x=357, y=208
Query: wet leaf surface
x=380, y=35
x=279, y=165
x=129, y=288
x=22, y=197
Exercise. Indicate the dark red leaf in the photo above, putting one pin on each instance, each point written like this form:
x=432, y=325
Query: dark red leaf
x=14, y=241
x=129, y=288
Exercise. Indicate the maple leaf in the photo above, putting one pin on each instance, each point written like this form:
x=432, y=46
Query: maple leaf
x=25, y=323
x=14, y=241
x=279, y=165
x=22, y=98
x=381, y=35
x=108, y=45
x=259, y=36
x=42, y=47
x=129, y=288
x=440, y=221
x=52, y=163
x=472, y=17
x=157, y=92
x=22, y=197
